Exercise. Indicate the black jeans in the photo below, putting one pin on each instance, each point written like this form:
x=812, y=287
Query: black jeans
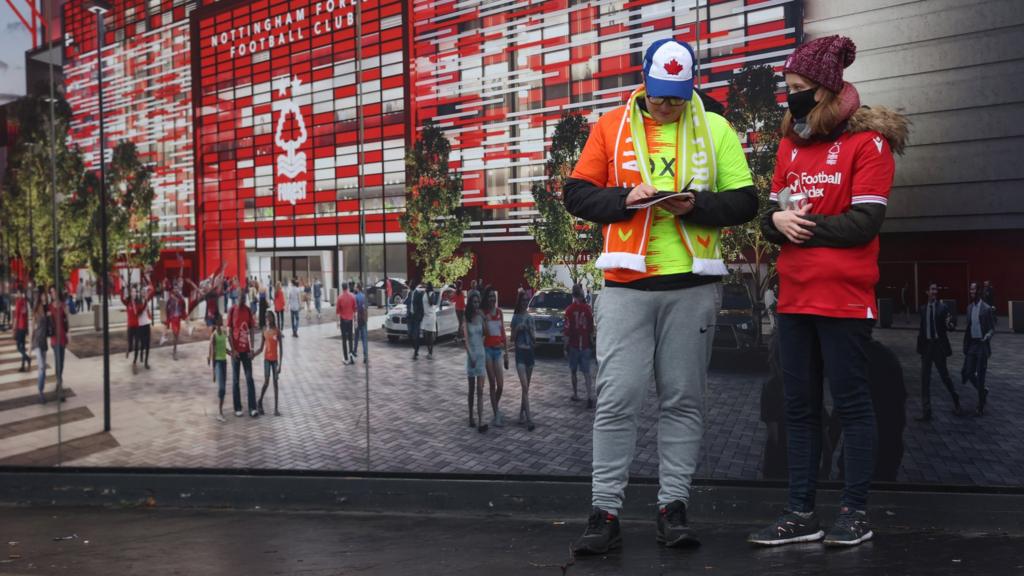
x=242, y=360
x=20, y=338
x=414, y=333
x=142, y=334
x=346, y=340
x=934, y=355
x=813, y=347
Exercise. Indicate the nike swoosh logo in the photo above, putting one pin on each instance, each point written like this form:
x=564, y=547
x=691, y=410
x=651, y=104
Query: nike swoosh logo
x=703, y=330
x=625, y=237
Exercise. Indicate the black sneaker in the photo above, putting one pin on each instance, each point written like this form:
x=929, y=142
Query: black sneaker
x=790, y=528
x=851, y=528
x=602, y=534
x=673, y=530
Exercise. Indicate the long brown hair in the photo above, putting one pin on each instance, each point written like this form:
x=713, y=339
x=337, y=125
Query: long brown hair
x=822, y=119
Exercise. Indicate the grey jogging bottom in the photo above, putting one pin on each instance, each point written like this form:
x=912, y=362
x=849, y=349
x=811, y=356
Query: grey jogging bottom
x=643, y=337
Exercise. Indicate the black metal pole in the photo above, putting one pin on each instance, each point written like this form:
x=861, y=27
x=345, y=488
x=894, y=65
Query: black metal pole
x=59, y=362
x=104, y=250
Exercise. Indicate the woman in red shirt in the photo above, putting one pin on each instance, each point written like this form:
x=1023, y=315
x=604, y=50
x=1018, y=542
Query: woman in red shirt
x=833, y=173
x=273, y=355
x=495, y=348
x=279, y=303
x=132, y=312
x=59, y=335
x=21, y=329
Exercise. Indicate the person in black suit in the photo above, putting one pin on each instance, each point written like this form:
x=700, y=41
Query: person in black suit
x=416, y=309
x=981, y=325
x=933, y=346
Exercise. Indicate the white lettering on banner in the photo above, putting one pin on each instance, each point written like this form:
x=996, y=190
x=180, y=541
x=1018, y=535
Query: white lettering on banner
x=291, y=191
x=286, y=28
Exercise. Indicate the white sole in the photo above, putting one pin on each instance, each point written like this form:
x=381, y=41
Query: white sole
x=807, y=538
x=863, y=538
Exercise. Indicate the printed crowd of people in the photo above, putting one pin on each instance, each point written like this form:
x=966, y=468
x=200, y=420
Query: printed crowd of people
x=40, y=323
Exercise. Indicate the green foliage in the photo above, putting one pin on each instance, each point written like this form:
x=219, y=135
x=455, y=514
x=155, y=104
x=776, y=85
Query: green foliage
x=129, y=208
x=27, y=205
x=541, y=279
x=753, y=110
x=564, y=239
x=433, y=220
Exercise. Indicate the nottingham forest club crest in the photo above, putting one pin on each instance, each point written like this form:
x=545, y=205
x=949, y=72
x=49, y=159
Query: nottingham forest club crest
x=292, y=163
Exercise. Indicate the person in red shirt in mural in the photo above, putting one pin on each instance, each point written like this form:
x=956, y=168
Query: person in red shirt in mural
x=579, y=329
x=346, y=310
x=240, y=347
x=59, y=330
x=21, y=329
x=833, y=173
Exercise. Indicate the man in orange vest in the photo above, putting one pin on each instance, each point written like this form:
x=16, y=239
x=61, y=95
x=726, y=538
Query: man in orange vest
x=662, y=267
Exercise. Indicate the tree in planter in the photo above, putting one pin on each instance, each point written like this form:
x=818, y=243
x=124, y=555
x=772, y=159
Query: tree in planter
x=433, y=221
x=27, y=206
x=564, y=239
x=129, y=212
x=753, y=109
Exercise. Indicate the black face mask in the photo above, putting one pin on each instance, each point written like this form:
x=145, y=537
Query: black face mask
x=801, y=103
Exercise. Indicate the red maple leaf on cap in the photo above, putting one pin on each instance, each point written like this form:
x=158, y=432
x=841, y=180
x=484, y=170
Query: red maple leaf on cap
x=673, y=67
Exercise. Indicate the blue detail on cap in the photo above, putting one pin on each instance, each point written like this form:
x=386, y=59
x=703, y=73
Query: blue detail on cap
x=664, y=88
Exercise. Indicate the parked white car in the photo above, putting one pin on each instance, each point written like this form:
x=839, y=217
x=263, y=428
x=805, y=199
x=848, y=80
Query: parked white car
x=396, y=325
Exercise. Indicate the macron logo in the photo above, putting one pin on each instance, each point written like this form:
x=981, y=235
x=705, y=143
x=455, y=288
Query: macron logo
x=792, y=155
x=878, y=143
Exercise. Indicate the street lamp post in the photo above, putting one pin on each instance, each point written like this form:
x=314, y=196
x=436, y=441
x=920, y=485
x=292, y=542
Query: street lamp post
x=100, y=8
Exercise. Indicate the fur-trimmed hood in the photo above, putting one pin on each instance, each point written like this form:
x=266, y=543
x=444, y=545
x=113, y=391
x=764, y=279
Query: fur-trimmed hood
x=892, y=125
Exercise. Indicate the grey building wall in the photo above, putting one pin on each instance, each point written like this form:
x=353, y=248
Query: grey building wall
x=956, y=68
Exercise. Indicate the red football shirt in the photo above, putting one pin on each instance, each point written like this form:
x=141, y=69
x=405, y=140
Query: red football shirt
x=856, y=168
x=21, y=314
x=240, y=323
x=579, y=324
x=346, y=306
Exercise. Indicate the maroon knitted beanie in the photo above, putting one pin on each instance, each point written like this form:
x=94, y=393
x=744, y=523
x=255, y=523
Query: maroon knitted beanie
x=822, y=60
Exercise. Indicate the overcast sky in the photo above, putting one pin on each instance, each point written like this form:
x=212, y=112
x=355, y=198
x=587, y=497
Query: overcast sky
x=14, y=41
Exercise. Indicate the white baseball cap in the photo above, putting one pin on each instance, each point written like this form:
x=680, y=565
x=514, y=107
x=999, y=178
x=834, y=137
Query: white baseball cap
x=668, y=69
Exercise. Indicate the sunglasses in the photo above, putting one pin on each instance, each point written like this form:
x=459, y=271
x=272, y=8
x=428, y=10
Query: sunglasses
x=662, y=100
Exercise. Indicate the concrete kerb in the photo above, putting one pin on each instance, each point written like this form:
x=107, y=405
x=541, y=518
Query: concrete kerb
x=995, y=511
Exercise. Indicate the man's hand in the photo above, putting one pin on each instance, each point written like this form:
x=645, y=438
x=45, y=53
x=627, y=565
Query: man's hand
x=640, y=193
x=680, y=206
x=793, y=225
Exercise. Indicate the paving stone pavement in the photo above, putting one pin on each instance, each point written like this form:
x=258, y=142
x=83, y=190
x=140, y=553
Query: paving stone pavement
x=418, y=417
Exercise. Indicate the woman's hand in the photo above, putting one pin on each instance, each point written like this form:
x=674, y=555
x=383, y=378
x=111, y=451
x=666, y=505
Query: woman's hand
x=640, y=193
x=793, y=225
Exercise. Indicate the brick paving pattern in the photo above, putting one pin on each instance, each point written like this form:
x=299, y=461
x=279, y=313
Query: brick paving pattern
x=418, y=417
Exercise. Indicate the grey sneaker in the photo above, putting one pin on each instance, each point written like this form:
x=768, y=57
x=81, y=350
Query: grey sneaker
x=789, y=528
x=851, y=528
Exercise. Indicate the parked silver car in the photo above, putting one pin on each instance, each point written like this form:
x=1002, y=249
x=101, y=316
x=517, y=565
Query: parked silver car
x=548, y=310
